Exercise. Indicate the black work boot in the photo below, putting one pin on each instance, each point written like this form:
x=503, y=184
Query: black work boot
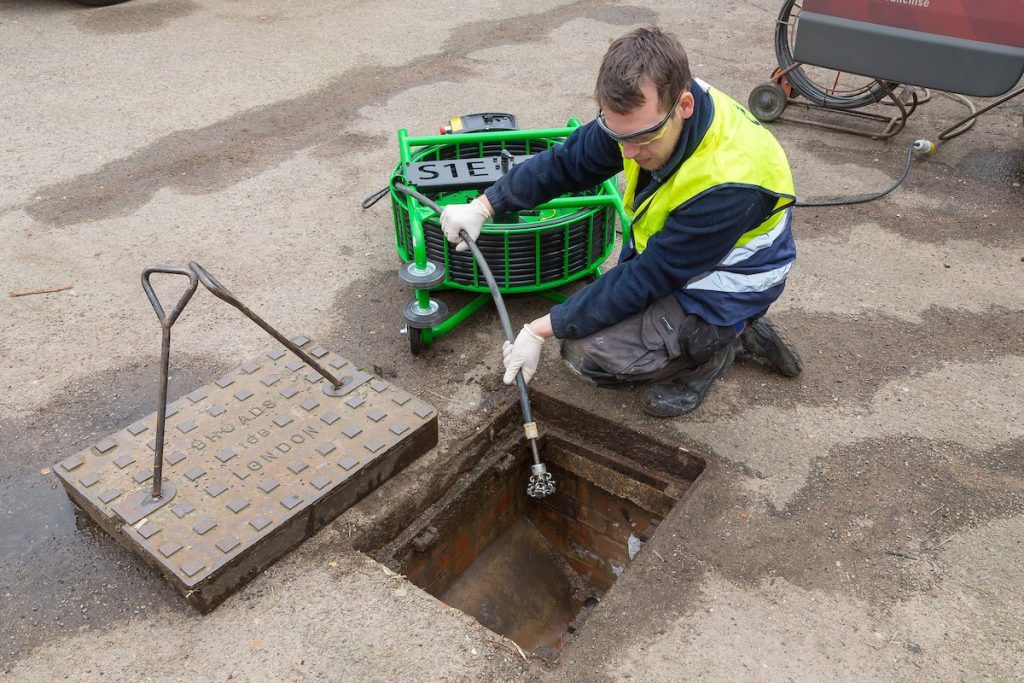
x=766, y=341
x=670, y=399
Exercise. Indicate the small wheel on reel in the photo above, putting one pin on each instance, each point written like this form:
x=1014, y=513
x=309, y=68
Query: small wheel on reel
x=415, y=340
x=767, y=101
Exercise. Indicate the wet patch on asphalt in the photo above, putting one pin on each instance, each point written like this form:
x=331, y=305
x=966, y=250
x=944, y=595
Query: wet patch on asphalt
x=54, y=578
x=996, y=167
x=870, y=524
x=864, y=352
x=215, y=157
x=134, y=17
x=979, y=189
x=873, y=515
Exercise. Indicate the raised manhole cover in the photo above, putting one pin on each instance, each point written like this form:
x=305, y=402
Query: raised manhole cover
x=255, y=463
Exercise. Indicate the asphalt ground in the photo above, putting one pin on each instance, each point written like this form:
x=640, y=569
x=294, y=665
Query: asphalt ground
x=862, y=521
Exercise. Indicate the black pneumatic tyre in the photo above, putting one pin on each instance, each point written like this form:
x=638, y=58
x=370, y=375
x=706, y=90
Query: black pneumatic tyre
x=101, y=3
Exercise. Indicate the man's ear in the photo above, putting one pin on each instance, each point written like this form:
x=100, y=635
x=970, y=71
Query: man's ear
x=686, y=104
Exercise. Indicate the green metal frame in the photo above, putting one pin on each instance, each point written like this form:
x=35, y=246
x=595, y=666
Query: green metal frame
x=417, y=148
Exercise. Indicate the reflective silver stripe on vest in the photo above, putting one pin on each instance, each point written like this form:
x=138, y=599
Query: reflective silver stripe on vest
x=724, y=281
x=758, y=243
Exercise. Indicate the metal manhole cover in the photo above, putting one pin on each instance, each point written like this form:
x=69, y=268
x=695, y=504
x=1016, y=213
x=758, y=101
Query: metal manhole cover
x=255, y=463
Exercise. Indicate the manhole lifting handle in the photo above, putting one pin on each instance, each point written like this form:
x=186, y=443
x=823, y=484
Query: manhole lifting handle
x=166, y=321
x=222, y=293
x=196, y=274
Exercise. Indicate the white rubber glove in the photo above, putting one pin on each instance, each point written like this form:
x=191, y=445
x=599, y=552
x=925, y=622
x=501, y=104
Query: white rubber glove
x=469, y=217
x=524, y=355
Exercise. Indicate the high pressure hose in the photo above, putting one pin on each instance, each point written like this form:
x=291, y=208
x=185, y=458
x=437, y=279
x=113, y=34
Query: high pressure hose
x=922, y=146
x=541, y=483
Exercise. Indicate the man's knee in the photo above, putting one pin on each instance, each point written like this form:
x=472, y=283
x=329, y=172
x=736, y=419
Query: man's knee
x=574, y=353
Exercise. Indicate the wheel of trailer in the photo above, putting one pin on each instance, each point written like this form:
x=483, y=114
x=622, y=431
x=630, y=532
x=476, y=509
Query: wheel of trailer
x=767, y=101
x=824, y=87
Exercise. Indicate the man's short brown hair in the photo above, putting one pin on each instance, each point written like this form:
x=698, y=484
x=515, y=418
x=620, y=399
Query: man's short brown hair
x=644, y=53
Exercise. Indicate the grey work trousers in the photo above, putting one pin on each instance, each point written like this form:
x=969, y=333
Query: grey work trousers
x=660, y=344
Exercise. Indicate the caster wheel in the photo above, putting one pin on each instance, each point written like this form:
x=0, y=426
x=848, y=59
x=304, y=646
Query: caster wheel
x=415, y=340
x=429, y=277
x=767, y=101
x=434, y=314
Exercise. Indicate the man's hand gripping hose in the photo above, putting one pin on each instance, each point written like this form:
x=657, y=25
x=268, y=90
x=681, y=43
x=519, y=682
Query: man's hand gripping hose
x=541, y=483
x=522, y=356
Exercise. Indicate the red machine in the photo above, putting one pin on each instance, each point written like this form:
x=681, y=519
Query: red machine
x=969, y=47
x=961, y=46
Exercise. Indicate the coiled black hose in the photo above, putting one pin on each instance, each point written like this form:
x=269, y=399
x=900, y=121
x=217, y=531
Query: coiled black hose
x=806, y=87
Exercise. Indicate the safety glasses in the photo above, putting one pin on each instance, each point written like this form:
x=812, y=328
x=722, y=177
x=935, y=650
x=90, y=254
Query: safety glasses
x=640, y=137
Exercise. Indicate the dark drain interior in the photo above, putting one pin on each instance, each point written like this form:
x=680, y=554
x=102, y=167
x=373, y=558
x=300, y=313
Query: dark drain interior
x=533, y=569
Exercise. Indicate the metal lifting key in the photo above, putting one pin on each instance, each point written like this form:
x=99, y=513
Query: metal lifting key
x=222, y=293
x=166, y=322
x=196, y=274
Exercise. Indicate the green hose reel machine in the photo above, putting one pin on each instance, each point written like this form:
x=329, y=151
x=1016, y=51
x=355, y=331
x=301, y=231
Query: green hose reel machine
x=529, y=252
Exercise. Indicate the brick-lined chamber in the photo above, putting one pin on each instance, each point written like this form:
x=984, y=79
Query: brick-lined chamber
x=531, y=569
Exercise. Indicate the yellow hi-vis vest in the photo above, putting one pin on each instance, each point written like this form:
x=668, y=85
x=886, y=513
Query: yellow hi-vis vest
x=736, y=151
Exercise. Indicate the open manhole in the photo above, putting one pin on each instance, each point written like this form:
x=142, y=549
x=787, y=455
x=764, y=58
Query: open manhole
x=533, y=569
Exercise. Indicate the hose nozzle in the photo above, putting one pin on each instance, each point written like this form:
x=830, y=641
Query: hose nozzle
x=541, y=483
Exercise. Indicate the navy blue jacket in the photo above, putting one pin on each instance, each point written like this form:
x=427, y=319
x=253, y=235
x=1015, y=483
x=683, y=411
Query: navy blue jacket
x=694, y=239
